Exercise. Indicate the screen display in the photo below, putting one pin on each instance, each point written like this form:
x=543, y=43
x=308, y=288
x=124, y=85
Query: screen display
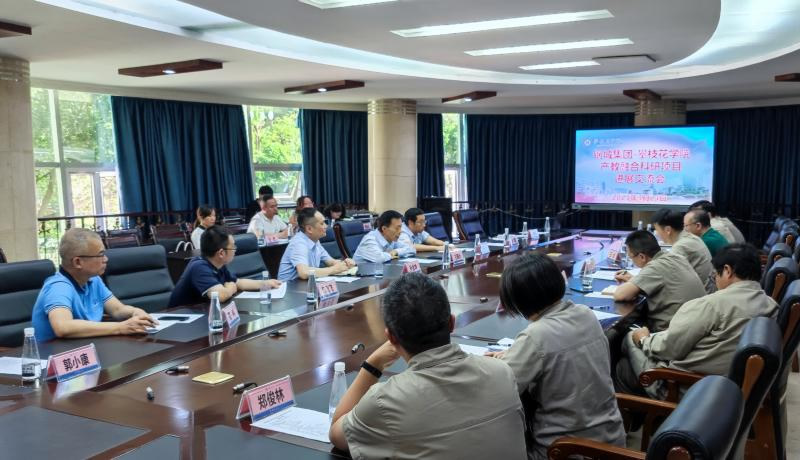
x=667, y=166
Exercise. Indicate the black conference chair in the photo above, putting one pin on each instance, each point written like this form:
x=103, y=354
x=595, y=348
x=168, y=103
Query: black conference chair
x=122, y=238
x=782, y=272
x=789, y=322
x=139, y=276
x=330, y=244
x=789, y=234
x=468, y=223
x=247, y=263
x=435, y=226
x=702, y=427
x=775, y=233
x=349, y=234
x=778, y=251
x=796, y=255
x=20, y=283
x=168, y=235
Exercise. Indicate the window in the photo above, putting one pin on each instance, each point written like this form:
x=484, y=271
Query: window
x=455, y=176
x=275, y=147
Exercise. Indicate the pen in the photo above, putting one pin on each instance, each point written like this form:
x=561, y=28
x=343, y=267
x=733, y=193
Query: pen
x=633, y=327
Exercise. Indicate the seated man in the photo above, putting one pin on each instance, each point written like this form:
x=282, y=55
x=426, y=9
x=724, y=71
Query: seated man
x=381, y=245
x=267, y=221
x=704, y=333
x=669, y=227
x=254, y=206
x=447, y=404
x=305, y=252
x=666, y=279
x=698, y=223
x=719, y=223
x=72, y=301
x=413, y=234
x=208, y=273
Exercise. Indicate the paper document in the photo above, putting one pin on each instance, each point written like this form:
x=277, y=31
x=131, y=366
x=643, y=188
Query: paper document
x=607, y=275
x=606, y=319
x=162, y=324
x=297, y=421
x=473, y=350
x=13, y=366
x=599, y=295
x=277, y=293
x=609, y=290
x=326, y=278
x=187, y=317
x=346, y=279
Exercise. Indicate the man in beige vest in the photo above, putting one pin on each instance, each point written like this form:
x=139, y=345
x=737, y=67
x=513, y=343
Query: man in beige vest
x=447, y=404
x=704, y=333
x=669, y=227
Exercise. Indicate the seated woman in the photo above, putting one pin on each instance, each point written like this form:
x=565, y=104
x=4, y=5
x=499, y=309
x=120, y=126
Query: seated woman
x=560, y=360
x=303, y=202
x=206, y=218
x=334, y=212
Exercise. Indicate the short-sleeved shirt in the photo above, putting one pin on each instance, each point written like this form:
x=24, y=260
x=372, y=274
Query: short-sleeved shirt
x=409, y=239
x=301, y=250
x=197, y=234
x=695, y=251
x=723, y=225
x=714, y=241
x=374, y=248
x=259, y=223
x=447, y=404
x=199, y=276
x=61, y=290
x=668, y=281
x=562, y=362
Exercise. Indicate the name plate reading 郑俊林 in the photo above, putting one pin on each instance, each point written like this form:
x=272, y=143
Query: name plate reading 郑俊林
x=231, y=314
x=72, y=363
x=266, y=400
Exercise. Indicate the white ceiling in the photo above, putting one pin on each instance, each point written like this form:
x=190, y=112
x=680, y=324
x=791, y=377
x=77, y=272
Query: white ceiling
x=69, y=49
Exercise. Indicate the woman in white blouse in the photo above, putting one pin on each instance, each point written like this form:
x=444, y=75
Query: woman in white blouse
x=206, y=217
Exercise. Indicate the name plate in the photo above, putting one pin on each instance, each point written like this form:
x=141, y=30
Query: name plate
x=411, y=267
x=327, y=289
x=329, y=302
x=614, y=249
x=72, y=363
x=267, y=399
x=230, y=315
x=367, y=226
x=457, y=258
x=514, y=244
x=271, y=239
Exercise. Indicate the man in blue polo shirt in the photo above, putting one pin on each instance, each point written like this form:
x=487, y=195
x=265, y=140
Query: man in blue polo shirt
x=71, y=302
x=209, y=273
x=413, y=234
x=381, y=245
x=305, y=252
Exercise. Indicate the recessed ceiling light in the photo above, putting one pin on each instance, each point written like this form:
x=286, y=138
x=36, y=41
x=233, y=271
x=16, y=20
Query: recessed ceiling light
x=509, y=23
x=168, y=71
x=559, y=65
x=469, y=97
x=552, y=47
x=327, y=4
x=315, y=88
x=322, y=90
x=171, y=68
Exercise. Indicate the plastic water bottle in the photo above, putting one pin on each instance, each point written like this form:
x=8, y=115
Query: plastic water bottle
x=547, y=226
x=262, y=233
x=506, y=243
x=338, y=388
x=379, y=270
x=641, y=226
x=290, y=231
x=31, y=364
x=311, y=291
x=215, y=314
x=446, y=257
x=266, y=292
x=477, y=244
x=505, y=234
x=525, y=228
x=650, y=228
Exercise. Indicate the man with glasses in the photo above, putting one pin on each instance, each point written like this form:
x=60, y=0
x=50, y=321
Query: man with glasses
x=305, y=253
x=209, y=272
x=413, y=234
x=72, y=302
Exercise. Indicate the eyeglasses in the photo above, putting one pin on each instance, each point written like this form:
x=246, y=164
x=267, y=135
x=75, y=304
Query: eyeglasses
x=230, y=249
x=102, y=254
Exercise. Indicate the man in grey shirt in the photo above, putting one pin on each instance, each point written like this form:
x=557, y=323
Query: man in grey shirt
x=666, y=279
x=447, y=404
x=669, y=227
x=704, y=333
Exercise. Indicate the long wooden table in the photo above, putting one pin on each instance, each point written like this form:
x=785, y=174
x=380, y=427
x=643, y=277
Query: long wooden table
x=201, y=418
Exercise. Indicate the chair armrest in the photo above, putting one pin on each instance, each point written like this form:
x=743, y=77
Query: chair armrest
x=563, y=448
x=673, y=378
x=654, y=411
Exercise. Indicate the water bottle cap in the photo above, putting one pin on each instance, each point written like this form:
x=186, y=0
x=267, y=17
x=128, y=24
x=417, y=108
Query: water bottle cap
x=214, y=295
x=338, y=367
x=28, y=332
x=265, y=274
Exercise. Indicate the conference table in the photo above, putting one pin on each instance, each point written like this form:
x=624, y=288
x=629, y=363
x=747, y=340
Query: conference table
x=107, y=414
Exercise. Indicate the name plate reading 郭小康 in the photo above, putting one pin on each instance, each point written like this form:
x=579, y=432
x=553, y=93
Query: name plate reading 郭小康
x=72, y=363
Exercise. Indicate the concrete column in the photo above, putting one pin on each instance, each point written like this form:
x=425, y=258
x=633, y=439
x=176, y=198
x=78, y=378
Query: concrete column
x=17, y=188
x=392, y=168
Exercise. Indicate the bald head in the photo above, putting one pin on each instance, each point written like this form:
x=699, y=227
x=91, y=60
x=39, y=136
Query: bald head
x=77, y=242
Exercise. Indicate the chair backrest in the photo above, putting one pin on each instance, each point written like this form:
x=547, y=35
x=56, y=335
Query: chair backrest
x=789, y=234
x=247, y=263
x=20, y=283
x=754, y=368
x=796, y=255
x=167, y=232
x=776, y=232
x=121, y=238
x=779, y=276
x=3, y=257
x=778, y=251
x=330, y=243
x=236, y=229
x=704, y=425
x=349, y=234
x=434, y=224
x=233, y=219
x=468, y=222
x=139, y=276
x=789, y=321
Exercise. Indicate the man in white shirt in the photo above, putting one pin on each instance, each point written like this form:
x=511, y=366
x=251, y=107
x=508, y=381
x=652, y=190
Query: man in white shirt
x=267, y=222
x=413, y=233
x=381, y=245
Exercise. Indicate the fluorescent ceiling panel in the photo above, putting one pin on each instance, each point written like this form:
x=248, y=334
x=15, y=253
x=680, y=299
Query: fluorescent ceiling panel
x=559, y=65
x=551, y=47
x=327, y=4
x=509, y=23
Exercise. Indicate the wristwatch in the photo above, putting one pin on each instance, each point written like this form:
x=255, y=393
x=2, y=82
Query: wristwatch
x=371, y=369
